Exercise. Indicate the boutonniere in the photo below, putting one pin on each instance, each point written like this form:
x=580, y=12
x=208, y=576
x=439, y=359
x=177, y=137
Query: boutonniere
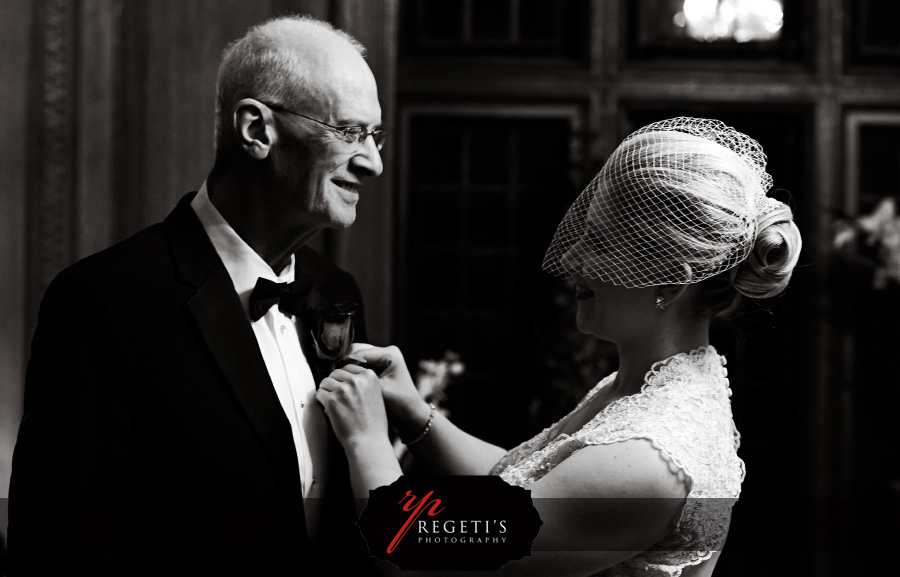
x=332, y=329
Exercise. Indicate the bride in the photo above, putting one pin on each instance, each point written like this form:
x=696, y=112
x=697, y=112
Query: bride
x=674, y=229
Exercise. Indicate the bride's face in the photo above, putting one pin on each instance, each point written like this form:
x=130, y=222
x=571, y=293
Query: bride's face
x=613, y=313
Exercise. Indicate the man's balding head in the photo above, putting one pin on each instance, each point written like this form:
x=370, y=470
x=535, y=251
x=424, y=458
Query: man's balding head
x=292, y=61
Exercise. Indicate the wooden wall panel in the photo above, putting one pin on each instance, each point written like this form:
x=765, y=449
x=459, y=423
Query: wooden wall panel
x=97, y=50
x=367, y=248
x=50, y=160
x=15, y=25
x=184, y=44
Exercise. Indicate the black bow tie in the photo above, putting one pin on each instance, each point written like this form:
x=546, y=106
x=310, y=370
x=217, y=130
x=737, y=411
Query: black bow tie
x=289, y=296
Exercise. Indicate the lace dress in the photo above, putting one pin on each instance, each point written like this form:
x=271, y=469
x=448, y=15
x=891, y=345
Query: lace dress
x=684, y=410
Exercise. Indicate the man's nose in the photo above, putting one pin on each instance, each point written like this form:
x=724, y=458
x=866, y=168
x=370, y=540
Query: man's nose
x=369, y=158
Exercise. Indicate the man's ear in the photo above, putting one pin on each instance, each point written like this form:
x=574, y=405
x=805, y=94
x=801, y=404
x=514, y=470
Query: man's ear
x=254, y=127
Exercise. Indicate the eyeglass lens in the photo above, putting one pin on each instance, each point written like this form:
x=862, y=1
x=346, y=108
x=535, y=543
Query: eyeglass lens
x=358, y=136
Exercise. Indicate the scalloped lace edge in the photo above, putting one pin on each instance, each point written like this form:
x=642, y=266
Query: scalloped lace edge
x=659, y=367
x=666, y=454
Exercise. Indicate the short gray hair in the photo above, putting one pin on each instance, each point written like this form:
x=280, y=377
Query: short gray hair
x=258, y=65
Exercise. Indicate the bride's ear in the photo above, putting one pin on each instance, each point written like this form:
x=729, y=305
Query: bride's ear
x=666, y=295
x=669, y=293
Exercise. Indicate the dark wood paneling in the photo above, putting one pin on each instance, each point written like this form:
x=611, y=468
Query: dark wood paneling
x=367, y=248
x=15, y=26
x=184, y=45
x=51, y=147
x=98, y=23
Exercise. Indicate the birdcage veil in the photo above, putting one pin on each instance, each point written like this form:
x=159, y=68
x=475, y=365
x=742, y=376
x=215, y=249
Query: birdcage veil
x=677, y=202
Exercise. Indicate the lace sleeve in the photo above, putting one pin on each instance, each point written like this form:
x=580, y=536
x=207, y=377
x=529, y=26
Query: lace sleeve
x=689, y=421
x=684, y=410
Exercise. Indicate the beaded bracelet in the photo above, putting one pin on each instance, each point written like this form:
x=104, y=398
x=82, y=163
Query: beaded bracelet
x=427, y=426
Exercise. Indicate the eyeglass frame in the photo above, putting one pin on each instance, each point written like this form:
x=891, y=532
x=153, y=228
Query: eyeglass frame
x=344, y=131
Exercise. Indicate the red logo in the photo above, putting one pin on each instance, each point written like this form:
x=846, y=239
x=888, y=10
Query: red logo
x=454, y=523
x=416, y=511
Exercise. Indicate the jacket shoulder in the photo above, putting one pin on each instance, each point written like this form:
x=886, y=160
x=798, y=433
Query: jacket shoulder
x=144, y=249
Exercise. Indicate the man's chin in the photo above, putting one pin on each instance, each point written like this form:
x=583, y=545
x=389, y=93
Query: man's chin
x=344, y=220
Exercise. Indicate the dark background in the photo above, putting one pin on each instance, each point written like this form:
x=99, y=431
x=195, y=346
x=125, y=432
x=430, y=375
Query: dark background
x=500, y=111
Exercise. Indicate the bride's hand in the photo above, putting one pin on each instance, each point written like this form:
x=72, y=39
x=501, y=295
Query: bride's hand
x=352, y=400
x=407, y=410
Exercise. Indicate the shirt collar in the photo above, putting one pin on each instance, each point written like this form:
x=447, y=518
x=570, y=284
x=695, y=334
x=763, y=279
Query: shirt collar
x=243, y=264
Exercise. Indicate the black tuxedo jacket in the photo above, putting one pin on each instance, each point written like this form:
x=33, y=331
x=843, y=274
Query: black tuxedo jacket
x=153, y=440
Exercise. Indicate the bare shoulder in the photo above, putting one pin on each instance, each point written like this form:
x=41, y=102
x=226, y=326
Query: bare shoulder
x=621, y=497
x=634, y=468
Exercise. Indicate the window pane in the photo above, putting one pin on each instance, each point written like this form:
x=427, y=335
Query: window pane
x=437, y=282
x=440, y=19
x=488, y=283
x=535, y=167
x=539, y=20
x=483, y=294
x=436, y=158
x=724, y=20
x=437, y=218
x=518, y=28
x=489, y=216
x=490, y=20
x=879, y=166
x=489, y=156
x=718, y=28
x=874, y=38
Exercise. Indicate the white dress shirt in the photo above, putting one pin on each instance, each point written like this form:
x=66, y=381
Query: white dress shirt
x=279, y=344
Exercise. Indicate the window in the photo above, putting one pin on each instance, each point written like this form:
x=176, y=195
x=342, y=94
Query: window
x=485, y=195
x=745, y=29
x=873, y=38
x=529, y=28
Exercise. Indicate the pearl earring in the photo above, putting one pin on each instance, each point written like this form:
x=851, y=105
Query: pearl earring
x=660, y=303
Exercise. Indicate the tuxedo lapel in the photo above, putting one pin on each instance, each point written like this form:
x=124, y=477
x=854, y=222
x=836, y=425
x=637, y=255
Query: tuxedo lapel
x=233, y=345
x=226, y=331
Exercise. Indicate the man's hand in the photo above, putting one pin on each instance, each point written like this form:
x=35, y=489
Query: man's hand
x=406, y=409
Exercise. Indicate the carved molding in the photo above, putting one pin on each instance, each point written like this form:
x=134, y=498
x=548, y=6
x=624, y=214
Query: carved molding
x=52, y=175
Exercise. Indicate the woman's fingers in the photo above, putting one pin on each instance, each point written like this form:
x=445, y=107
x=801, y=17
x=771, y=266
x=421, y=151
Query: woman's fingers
x=357, y=370
x=353, y=375
x=352, y=382
x=352, y=400
x=360, y=346
x=377, y=358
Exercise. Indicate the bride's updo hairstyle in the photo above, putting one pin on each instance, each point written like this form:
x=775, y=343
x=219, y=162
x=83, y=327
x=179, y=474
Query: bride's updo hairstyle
x=681, y=201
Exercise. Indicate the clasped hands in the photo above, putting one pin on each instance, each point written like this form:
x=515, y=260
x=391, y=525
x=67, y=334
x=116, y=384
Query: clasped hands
x=360, y=400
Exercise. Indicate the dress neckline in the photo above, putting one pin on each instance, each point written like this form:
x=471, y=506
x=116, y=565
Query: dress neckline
x=653, y=379
x=673, y=363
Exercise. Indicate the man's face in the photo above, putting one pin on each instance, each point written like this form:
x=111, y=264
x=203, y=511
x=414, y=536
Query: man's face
x=320, y=175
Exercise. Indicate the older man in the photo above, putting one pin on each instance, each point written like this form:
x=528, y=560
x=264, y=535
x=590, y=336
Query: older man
x=170, y=421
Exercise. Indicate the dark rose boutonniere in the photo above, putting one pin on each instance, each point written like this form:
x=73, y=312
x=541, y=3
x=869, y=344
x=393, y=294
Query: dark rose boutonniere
x=332, y=329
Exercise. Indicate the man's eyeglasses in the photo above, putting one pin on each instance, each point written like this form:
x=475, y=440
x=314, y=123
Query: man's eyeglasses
x=349, y=134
